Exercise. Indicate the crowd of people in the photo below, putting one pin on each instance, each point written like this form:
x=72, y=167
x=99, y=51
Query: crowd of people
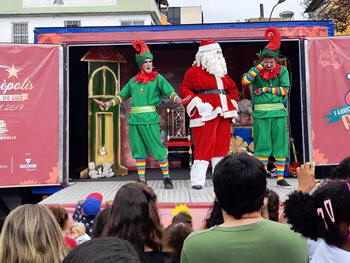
x=244, y=224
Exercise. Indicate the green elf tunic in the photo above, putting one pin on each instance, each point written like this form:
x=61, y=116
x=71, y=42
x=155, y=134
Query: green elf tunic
x=144, y=121
x=270, y=115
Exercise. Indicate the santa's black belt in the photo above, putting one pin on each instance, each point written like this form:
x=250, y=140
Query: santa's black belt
x=211, y=91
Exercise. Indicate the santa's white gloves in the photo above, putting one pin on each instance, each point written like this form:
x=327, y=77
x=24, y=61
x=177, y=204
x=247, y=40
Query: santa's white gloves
x=204, y=109
x=235, y=116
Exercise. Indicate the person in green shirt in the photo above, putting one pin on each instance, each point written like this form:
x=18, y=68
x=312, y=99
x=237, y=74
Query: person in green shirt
x=244, y=236
x=270, y=82
x=146, y=90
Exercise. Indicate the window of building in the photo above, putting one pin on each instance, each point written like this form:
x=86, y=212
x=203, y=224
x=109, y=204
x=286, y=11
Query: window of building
x=20, y=32
x=132, y=22
x=173, y=15
x=72, y=23
x=138, y=22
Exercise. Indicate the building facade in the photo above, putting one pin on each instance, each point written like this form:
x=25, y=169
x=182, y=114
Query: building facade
x=183, y=15
x=19, y=18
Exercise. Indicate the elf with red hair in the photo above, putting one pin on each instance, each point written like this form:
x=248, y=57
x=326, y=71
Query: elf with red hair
x=146, y=90
x=270, y=82
x=211, y=107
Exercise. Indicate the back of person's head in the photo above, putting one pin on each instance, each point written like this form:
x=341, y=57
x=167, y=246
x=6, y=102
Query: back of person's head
x=176, y=234
x=77, y=229
x=273, y=203
x=134, y=217
x=324, y=214
x=342, y=171
x=215, y=217
x=31, y=234
x=240, y=184
x=61, y=215
x=104, y=249
x=182, y=217
x=182, y=214
x=100, y=222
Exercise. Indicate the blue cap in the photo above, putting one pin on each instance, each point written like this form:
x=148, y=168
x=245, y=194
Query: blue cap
x=91, y=206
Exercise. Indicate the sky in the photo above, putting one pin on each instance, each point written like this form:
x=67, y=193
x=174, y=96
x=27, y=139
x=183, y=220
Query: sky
x=220, y=11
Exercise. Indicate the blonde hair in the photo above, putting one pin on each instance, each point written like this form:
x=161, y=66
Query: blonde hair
x=79, y=227
x=31, y=234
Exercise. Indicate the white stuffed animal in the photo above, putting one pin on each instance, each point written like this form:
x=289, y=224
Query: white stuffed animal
x=99, y=169
x=103, y=151
x=93, y=174
x=107, y=170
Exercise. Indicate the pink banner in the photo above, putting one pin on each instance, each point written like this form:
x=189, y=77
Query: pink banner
x=329, y=72
x=29, y=115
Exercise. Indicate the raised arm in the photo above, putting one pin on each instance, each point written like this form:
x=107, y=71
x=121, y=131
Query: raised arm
x=251, y=74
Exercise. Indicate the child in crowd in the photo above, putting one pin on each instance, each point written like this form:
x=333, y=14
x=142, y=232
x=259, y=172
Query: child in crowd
x=77, y=230
x=176, y=233
x=215, y=217
x=271, y=206
x=323, y=216
x=86, y=211
x=100, y=222
x=61, y=216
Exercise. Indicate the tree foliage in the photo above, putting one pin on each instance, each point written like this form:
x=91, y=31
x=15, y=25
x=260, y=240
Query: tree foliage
x=336, y=10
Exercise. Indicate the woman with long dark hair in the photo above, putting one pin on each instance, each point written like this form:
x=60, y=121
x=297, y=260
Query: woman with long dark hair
x=134, y=217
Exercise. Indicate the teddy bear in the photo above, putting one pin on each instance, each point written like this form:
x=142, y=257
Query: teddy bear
x=107, y=170
x=93, y=173
x=245, y=109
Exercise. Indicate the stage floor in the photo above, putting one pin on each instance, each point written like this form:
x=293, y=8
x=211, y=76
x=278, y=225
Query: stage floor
x=198, y=201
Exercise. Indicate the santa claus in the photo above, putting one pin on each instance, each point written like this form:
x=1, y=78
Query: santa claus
x=211, y=107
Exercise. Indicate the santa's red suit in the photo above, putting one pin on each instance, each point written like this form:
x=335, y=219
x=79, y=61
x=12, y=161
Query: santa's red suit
x=211, y=133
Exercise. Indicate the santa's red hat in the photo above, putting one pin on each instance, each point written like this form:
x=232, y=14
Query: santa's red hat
x=208, y=45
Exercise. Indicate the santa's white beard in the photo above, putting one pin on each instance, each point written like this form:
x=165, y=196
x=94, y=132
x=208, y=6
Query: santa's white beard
x=212, y=62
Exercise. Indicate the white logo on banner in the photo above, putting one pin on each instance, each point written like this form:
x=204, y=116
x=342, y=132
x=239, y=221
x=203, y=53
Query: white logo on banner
x=3, y=131
x=28, y=165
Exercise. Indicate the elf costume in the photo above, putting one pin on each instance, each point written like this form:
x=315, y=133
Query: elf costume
x=270, y=90
x=146, y=90
x=211, y=133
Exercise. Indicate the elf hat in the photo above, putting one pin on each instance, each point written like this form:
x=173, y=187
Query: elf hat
x=142, y=52
x=208, y=45
x=272, y=49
